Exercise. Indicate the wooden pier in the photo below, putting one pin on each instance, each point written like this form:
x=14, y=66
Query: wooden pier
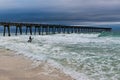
x=48, y=28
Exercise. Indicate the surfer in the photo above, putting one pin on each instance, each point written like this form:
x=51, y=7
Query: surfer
x=30, y=39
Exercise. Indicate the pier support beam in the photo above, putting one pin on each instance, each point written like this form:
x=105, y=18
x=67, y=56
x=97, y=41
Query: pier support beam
x=42, y=29
x=4, y=31
x=64, y=29
x=20, y=30
x=30, y=29
x=59, y=29
x=37, y=28
x=68, y=30
x=8, y=28
x=47, y=30
x=53, y=31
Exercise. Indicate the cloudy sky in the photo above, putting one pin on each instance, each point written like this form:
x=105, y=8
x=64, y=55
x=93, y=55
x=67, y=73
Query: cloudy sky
x=82, y=10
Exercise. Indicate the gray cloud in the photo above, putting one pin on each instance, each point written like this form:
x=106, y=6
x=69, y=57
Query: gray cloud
x=83, y=10
x=58, y=4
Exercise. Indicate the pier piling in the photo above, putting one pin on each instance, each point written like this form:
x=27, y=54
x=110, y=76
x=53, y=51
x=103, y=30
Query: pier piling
x=8, y=28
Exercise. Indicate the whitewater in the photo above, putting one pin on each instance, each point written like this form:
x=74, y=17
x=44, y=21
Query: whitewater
x=84, y=56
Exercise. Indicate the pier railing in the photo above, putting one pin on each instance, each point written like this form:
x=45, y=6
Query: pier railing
x=48, y=28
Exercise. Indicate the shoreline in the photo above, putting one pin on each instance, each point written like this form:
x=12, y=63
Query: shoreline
x=18, y=67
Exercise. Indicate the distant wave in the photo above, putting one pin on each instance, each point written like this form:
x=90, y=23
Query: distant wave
x=110, y=34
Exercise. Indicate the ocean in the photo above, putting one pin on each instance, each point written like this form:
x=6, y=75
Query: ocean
x=84, y=56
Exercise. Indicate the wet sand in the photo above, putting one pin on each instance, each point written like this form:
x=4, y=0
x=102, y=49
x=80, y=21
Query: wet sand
x=17, y=67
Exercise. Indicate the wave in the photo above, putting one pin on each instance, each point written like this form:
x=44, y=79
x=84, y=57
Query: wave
x=86, y=56
x=109, y=34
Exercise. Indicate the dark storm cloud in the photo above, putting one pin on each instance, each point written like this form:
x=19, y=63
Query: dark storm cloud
x=83, y=10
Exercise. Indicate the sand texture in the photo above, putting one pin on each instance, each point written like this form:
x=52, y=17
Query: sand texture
x=17, y=67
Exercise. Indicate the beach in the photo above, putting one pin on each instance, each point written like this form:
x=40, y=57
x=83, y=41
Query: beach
x=82, y=56
x=17, y=67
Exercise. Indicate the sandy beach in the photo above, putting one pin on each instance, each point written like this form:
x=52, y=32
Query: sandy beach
x=17, y=67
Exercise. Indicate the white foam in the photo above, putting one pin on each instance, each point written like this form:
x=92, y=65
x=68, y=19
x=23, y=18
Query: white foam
x=75, y=75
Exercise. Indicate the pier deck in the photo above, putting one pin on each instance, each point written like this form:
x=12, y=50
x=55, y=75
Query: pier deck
x=48, y=28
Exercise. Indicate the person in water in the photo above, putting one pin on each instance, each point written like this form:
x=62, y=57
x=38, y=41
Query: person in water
x=30, y=39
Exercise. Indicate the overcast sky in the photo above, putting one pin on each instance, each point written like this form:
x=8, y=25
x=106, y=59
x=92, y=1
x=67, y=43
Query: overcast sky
x=83, y=10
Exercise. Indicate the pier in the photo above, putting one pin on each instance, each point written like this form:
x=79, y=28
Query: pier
x=46, y=29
